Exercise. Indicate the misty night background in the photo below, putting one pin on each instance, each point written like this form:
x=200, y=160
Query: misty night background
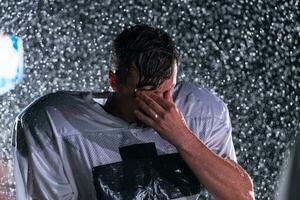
x=247, y=51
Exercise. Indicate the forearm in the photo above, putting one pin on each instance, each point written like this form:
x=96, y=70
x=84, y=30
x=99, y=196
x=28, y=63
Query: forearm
x=223, y=178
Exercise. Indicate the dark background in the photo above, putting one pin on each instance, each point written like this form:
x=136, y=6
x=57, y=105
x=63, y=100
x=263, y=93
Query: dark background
x=246, y=51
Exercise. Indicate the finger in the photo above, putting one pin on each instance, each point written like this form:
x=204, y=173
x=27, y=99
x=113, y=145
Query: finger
x=152, y=103
x=149, y=110
x=163, y=102
x=144, y=118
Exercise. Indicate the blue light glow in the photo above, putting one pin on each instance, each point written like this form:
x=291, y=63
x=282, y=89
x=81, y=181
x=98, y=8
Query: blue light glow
x=11, y=62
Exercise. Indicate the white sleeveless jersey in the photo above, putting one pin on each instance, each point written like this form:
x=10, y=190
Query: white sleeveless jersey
x=60, y=137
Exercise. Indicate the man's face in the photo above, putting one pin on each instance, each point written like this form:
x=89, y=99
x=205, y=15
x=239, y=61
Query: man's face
x=127, y=91
x=133, y=79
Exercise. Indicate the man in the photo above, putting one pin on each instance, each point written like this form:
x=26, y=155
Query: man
x=62, y=138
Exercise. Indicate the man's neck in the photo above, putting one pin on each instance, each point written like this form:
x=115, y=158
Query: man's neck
x=115, y=106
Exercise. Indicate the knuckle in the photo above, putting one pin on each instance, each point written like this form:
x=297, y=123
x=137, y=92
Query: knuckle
x=152, y=104
x=160, y=123
x=170, y=108
x=141, y=104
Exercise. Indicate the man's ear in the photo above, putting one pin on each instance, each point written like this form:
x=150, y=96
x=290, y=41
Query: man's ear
x=113, y=80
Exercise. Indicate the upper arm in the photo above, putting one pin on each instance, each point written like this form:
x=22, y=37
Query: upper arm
x=219, y=137
x=38, y=166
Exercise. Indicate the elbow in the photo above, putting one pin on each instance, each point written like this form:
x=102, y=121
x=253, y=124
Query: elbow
x=246, y=195
x=242, y=191
x=246, y=191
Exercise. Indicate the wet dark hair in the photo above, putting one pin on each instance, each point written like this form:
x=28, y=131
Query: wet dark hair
x=151, y=50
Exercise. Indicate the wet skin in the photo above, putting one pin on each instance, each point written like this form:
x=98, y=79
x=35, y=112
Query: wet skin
x=222, y=177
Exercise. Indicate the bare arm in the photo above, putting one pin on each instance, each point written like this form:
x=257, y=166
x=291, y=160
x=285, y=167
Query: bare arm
x=224, y=179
